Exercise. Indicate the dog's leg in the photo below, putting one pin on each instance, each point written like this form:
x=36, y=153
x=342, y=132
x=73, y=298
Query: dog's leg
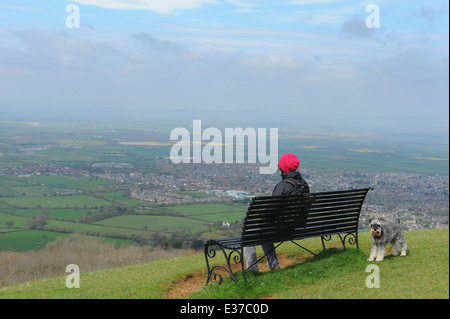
x=381, y=251
x=373, y=252
x=402, y=242
x=394, y=244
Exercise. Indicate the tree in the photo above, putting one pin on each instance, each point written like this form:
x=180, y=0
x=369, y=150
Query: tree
x=197, y=244
x=38, y=221
x=9, y=223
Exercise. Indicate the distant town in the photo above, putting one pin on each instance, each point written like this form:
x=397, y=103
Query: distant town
x=419, y=201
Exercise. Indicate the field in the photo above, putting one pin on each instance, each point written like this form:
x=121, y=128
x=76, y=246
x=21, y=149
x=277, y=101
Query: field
x=392, y=154
x=334, y=274
x=25, y=198
x=79, y=143
x=67, y=201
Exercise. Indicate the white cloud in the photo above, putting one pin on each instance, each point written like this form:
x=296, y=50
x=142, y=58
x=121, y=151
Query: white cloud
x=21, y=8
x=241, y=3
x=212, y=72
x=163, y=7
x=313, y=1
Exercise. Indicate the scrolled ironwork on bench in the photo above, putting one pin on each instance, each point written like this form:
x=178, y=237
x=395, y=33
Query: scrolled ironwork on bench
x=277, y=219
x=210, y=252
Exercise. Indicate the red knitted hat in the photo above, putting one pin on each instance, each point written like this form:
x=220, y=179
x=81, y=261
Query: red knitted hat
x=289, y=163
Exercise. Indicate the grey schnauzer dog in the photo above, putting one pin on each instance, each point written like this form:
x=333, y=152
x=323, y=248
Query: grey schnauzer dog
x=382, y=234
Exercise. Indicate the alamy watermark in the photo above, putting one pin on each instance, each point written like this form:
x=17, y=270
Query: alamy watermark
x=73, y=19
x=373, y=280
x=373, y=19
x=73, y=280
x=211, y=146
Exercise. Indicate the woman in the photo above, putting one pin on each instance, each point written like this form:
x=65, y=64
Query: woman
x=292, y=183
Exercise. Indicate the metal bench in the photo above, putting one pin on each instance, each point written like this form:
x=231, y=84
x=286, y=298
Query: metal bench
x=278, y=219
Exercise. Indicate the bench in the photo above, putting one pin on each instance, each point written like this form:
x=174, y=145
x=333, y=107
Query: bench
x=279, y=219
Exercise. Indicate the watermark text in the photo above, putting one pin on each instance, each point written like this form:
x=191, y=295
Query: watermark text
x=211, y=146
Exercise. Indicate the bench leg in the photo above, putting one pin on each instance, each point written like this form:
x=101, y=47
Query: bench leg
x=210, y=252
x=342, y=241
x=242, y=264
x=325, y=238
x=353, y=239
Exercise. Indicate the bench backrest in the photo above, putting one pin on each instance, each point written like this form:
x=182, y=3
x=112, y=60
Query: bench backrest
x=335, y=212
x=272, y=219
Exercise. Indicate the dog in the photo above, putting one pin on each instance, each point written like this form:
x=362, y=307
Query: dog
x=382, y=234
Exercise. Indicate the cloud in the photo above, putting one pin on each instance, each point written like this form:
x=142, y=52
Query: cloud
x=241, y=3
x=244, y=6
x=313, y=1
x=165, y=47
x=67, y=73
x=356, y=26
x=21, y=8
x=428, y=13
x=159, y=6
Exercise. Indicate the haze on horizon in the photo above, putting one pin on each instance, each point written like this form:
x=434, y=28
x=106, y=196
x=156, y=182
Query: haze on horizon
x=297, y=61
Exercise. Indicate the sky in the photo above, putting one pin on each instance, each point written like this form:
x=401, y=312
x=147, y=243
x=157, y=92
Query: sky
x=306, y=62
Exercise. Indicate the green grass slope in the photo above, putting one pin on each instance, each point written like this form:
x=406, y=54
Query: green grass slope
x=334, y=273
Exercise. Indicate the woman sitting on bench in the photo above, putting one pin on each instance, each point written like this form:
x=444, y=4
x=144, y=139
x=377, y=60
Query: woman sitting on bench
x=292, y=183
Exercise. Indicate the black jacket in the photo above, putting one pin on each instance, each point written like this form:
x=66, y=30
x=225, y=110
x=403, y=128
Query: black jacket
x=286, y=188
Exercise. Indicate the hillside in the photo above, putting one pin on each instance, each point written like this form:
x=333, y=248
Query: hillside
x=335, y=273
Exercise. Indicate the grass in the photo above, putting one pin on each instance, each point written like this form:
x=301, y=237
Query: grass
x=337, y=273
x=155, y=223
x=55, y=202
x=334, y=273
x=55, y=213
x=64, y=211
x=27, y=239
x=90, y=254
x=60, y=181
x=196, y=209
x=19, y=222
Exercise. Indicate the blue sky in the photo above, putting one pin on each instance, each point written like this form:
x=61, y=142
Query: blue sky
x=298, y=59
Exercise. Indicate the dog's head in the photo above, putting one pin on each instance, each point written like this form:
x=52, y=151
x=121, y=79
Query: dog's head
x=375, y=227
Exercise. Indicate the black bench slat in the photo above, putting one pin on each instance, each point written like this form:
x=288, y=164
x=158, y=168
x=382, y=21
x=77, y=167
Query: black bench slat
x=267, y=225
x=273, y=237
x=324, y=231
x=228, y=239
x=331, y=224
x=330, y=210
x=277, y=213
x=340, y=196
x=257, y=204
x=333, y=215
x=317, y=196
x=257, y=207
x=337, y=193
x=278, y=228
x=327, y=207
x=295, y=213
x=338, y=202
x=325, y=218
x=229, y=242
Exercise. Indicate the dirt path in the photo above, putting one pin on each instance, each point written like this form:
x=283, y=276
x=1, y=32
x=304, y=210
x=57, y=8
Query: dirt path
x=191, y=283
